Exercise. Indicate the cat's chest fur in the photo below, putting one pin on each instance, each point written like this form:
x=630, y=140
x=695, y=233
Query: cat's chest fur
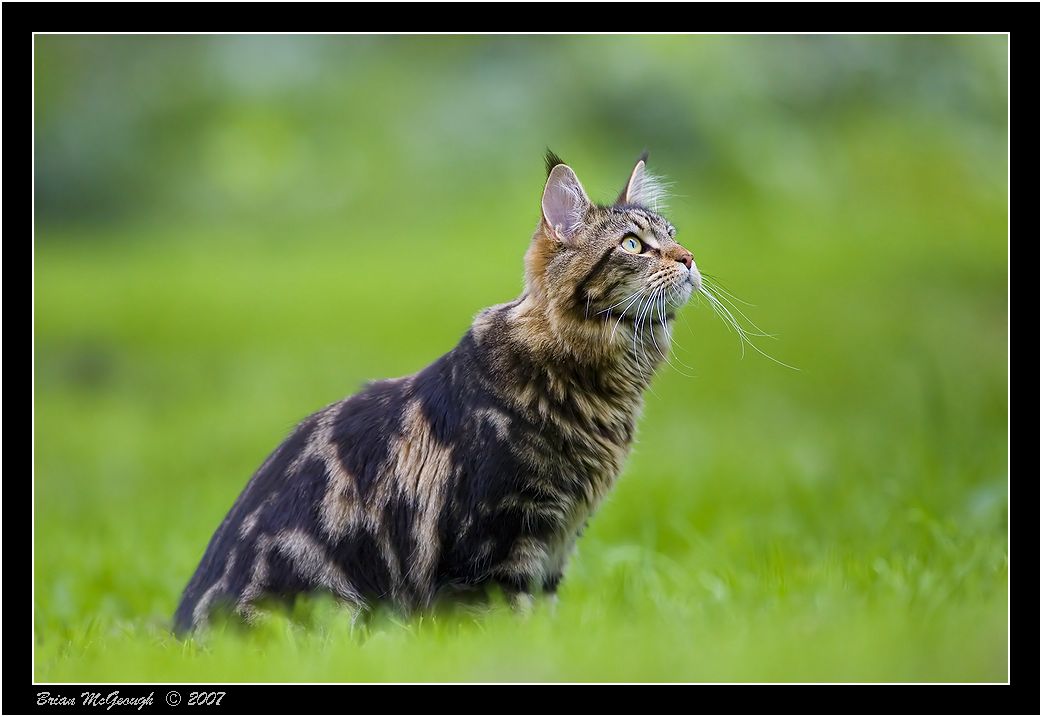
x=540, y=448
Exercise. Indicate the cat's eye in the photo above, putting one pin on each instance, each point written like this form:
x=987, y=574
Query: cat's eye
x=632, y=244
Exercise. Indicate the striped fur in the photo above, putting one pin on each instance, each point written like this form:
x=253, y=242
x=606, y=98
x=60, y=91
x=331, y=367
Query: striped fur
x=481, y=469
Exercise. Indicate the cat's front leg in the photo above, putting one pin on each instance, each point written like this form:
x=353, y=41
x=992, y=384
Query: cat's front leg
x=522, y=603
x=522, y=599
x=517, y=589
x=550, y=584
x=534, y=567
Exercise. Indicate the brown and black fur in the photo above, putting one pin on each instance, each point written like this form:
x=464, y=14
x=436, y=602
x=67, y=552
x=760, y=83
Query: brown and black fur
x=482, y=468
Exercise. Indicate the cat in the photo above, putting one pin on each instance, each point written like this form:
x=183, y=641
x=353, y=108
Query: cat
x=483, y=468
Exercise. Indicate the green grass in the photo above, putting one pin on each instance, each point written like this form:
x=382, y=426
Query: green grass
x=844, y=522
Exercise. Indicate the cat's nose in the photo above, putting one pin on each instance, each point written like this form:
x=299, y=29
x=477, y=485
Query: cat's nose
x=686, y=259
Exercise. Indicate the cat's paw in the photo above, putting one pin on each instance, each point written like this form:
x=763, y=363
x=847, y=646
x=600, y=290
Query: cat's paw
x=522, y=603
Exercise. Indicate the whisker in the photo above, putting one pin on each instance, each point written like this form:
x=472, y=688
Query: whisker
x=621, y=315
x=643, y=348
x=636, y=331
x=717, y=309
x=727, y=318
x=687, y=324
x=638, y=291
x=759, y=331
x=636, y=359
x=652, y=317
x=723, y=289
x=671, y=354
x=660, y=301
x=675, y=345
x=662, y=309
x=743, y=335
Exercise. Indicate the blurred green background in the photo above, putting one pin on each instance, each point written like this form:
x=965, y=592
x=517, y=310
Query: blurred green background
x=232, y=232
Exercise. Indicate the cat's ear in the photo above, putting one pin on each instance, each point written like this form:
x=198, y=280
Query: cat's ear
x=642, y=189
x=565, y=203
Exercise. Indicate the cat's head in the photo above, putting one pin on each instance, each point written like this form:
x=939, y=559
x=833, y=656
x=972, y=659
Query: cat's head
x=608, y=263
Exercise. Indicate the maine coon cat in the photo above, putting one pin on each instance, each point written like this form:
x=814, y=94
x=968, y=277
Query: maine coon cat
x=483, y=468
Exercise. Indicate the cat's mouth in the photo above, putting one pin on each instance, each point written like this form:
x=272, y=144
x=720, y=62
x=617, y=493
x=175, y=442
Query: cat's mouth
x=655, y=304
x=631, y=319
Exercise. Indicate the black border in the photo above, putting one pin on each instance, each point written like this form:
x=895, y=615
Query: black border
x=513, y=17
x=1021, y=20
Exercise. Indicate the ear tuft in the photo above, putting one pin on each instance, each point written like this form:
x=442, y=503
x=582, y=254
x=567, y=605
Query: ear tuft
x=565, y=203
x=643, y=188
x=552, y=160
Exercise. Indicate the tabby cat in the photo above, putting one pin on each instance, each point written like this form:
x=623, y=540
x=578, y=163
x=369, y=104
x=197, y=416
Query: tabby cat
x=483, y=468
